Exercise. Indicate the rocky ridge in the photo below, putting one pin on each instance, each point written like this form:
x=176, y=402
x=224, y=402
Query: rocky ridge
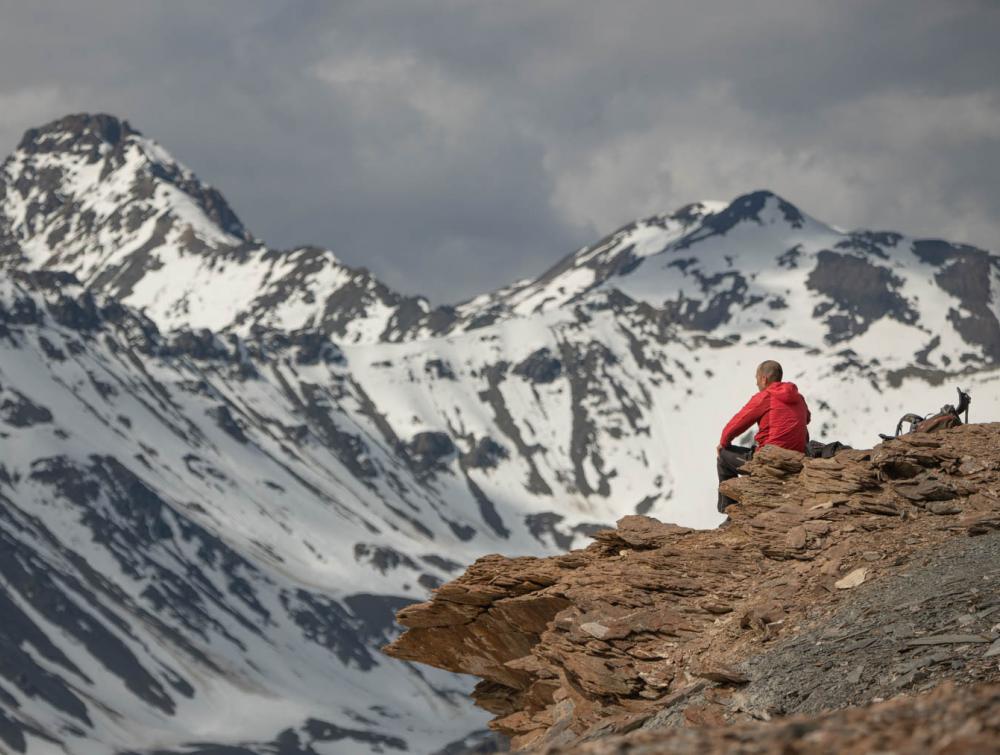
x=838, y=582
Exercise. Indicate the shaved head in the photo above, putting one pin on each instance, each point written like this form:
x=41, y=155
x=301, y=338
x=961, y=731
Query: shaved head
x=769, y=372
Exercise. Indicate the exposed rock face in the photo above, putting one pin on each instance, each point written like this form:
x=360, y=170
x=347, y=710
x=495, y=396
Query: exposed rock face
x=428, y=449
x=862, y=291
x=838, y=582
x=540, y=367
x=949, y=720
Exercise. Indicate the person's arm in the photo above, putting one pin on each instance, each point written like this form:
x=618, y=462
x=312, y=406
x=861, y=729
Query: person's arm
x=745, y=418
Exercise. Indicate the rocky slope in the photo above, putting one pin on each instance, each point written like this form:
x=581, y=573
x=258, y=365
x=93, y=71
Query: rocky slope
x=839, y=582
x=945, y=721
x=237, y=462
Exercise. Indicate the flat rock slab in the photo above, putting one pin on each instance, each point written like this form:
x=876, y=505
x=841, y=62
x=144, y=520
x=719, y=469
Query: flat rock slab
x=869, y=648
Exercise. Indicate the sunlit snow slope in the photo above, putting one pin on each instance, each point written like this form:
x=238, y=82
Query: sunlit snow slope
x=226, y=465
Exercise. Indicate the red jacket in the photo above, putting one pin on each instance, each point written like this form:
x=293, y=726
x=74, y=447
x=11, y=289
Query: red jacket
x=781, y=414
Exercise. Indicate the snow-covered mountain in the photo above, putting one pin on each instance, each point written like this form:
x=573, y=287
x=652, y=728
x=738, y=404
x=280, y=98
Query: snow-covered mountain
x=226, y=465
x=90, y=195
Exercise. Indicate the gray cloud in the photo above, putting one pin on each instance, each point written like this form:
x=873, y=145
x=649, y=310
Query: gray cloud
x=453, y=146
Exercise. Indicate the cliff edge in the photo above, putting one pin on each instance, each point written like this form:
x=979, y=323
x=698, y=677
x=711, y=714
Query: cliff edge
x=849, y=598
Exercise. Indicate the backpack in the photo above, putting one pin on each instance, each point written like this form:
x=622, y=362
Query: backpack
x=948, y=416
x=816, y=449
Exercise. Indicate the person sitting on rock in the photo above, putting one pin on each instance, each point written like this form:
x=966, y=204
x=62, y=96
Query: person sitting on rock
x=781, y=415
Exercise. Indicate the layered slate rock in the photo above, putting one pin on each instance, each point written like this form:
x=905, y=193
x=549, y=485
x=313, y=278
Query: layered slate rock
x=949, y=720
x=656, y=626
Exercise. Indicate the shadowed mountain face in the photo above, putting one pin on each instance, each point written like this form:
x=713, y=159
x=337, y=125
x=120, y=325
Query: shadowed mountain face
x=227, y=466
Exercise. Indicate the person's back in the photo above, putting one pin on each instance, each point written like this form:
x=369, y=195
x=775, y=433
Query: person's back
x=784, y=419
x=781, y=415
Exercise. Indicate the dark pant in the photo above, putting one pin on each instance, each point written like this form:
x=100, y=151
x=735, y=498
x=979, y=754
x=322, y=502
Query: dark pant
x=731, y=458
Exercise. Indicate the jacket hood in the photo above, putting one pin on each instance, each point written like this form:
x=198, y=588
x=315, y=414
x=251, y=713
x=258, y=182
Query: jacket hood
x=786, y=393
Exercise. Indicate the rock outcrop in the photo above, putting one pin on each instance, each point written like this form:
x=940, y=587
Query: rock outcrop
x=837, y=582
x=948, y=720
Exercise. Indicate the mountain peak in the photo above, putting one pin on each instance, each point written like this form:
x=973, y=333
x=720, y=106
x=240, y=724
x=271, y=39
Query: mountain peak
x=86, y=171
x=90, y=195
x=77, y=133
x=750, y=206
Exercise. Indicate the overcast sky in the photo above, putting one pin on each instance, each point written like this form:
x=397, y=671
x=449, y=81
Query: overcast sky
x=454, y=146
